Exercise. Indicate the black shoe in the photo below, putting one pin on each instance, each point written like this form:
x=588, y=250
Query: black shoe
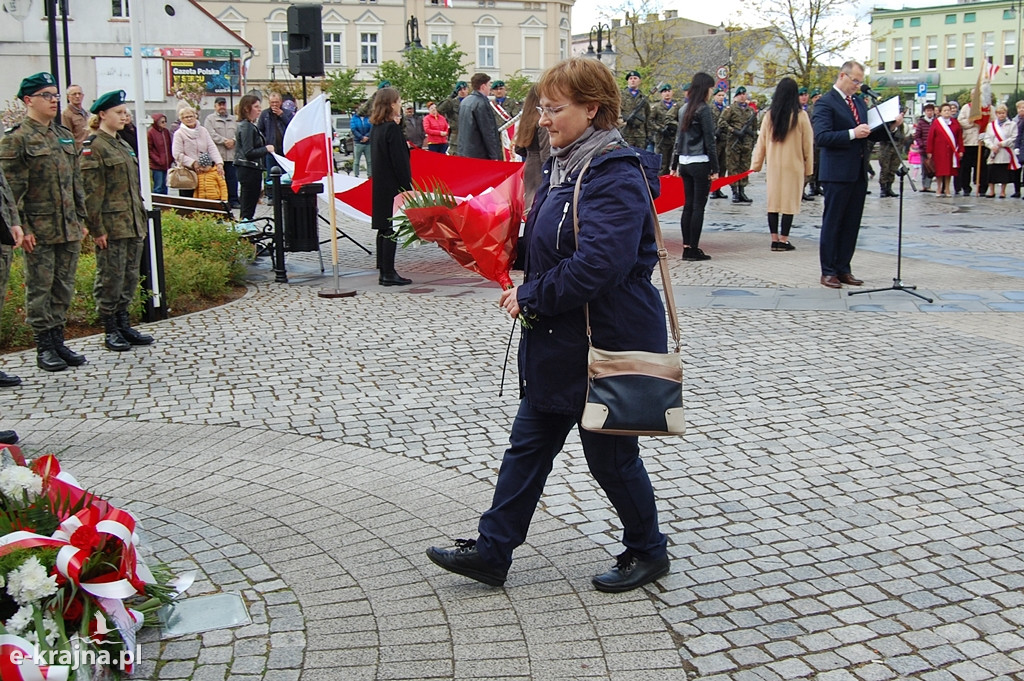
x=695, y=254
x=630, y=573
x=717, y=194
x=743, y=196
x=807, y=197
x=736, y=197
x=1015, y=195
x=782, y=246
x=47, y=358
x=8, y=437
x=8, y=381
x=72, y=358
x=393, y=279
x=464, y=560
x=112, y=337
x=133, y=337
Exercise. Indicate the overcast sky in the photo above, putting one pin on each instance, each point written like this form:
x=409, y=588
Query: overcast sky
x=586, y=13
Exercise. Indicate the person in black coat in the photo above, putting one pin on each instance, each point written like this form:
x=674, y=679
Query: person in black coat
x=392, y=174
x=250, y=150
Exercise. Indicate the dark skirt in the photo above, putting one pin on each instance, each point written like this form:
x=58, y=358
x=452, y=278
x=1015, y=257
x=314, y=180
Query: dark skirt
x=1000, y=173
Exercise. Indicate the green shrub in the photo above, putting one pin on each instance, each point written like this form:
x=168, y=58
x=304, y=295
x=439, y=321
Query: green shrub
x=203, y=258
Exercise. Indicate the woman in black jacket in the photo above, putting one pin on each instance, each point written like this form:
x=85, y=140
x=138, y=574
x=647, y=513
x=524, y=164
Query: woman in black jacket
x=696, y=161
x=250, y=148
x=392, y=174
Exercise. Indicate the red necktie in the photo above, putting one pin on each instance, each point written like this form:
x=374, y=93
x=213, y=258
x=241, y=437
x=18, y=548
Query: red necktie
x=853, y=109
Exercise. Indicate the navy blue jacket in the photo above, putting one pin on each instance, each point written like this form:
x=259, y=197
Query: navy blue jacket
x=842, y=159
x=612, y=270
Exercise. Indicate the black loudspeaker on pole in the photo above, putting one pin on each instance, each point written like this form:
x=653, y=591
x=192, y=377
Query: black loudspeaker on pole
x=305, y=41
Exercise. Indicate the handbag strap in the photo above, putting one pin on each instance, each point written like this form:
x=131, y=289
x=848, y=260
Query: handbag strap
x=670, y=300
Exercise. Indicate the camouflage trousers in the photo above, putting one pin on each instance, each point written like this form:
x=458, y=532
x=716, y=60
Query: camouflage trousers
x=635, y=138
x=117, y=275
x=889, y=161
x=665, y=149
x=737, y=160
x=50, y=284
x=6, y=255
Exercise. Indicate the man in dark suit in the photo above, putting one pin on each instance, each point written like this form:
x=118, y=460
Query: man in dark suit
x=844, y=137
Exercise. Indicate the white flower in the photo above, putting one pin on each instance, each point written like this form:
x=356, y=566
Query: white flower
x=14, y=479
x=30, y=582
x=20, y=620
x=52, y=633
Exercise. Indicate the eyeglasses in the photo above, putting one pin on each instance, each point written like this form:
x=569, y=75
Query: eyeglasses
x=550, y=111
x=48, y=96
x=856, y=82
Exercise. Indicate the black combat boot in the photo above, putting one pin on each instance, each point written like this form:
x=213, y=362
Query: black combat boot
x=736, y=194
x=743, y=196
x=124, y=325
x=47, y=358
x=112, y=335
x=72, y=358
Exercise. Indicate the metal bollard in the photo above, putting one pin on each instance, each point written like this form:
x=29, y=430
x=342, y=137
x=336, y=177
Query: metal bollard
x=280, y=274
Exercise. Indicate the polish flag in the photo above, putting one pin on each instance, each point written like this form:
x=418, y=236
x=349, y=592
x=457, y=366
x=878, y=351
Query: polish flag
x=307, y=143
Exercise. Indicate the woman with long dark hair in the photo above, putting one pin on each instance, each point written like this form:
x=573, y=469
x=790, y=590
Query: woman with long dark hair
x=695, y=160
x=392, y=173
x=532, y=142
x=786, y=143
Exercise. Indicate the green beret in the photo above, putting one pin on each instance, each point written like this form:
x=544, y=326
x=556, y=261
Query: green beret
x=461, y=85
x=686, y=86
x=383, y=84
x=633, y=73
x=741, y=90
x=33, y=84
x=802, y=91
x=665, y=88
x=108, y=101
x=815, y=92
x=498, y=83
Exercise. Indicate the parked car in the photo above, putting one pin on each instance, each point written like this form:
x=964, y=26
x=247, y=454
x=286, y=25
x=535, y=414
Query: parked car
x=342, y=137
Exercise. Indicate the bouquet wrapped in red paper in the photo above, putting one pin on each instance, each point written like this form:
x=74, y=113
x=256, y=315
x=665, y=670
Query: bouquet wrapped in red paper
x=479, y=232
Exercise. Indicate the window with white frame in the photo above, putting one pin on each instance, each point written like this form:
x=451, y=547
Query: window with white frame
x=933, y=52
x=968, y=50
x=950, y=51
x=1009, y=48
x=915, y=54
x=485, y=51
x=119, y=9
x=897, y=54
x=279, y=47
x=439, y=39
x=562, y=48
x=881, y=54
x=334, y=49
x=369, y=48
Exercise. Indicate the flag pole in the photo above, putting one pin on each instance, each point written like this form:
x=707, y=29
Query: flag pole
x=332, y=210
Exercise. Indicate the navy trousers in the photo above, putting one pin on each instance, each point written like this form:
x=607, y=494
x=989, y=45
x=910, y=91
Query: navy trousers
x=614, y=460
x=840, y=225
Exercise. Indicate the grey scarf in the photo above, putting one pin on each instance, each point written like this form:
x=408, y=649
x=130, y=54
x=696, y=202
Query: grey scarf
x=569, y=160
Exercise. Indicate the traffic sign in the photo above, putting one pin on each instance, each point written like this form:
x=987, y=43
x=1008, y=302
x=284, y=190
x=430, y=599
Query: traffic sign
x=723, y=72
x=922, y=90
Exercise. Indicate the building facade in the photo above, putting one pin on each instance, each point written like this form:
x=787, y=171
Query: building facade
x=944, y=47
x=179, y=40
x=499, y=37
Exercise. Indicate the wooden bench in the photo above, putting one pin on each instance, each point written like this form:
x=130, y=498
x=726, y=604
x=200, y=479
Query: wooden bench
x=258, y=232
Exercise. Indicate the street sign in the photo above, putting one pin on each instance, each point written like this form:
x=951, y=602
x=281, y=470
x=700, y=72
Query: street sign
x=723, y=73
x=922, y=90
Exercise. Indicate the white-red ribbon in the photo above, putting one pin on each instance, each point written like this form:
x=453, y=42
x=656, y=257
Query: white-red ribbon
x=17, y=662
x=997, y=133
x=952, y=139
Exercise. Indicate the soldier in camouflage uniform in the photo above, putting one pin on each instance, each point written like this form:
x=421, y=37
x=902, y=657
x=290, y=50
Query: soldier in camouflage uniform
x=11, y=237
x=635, y=112
x=40, y=161
x=738, y=125
x=449, y=108
x=117, y=221
x=889, y=160
x=717, y=108
x=815, y=187
x=664, y=123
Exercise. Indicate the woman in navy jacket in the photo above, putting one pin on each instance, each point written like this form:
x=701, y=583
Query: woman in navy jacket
x=611, y=270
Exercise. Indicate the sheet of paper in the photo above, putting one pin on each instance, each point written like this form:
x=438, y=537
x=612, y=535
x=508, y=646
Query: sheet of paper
x=886, y=112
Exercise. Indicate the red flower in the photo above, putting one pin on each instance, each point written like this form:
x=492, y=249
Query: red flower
x=86, y=537
x=73, y=610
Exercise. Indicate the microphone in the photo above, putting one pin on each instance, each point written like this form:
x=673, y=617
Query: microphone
x=866, y=89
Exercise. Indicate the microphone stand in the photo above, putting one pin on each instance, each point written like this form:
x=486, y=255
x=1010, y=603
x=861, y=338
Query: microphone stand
x=903, y=171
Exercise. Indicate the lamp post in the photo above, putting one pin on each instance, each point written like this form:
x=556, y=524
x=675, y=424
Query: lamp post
x=412, y=35
x=1016, y=76
x=604, y=33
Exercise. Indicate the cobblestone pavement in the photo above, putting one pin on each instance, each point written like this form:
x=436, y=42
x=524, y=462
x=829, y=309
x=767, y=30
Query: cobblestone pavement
x=847, y=504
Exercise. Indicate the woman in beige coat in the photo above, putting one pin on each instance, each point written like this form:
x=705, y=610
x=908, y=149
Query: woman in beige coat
x=785, y=143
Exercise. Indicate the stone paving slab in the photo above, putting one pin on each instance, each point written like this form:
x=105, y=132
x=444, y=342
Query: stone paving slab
x=847, y=502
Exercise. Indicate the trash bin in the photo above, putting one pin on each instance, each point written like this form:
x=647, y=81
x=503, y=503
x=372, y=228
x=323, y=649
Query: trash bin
x=301, y=224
